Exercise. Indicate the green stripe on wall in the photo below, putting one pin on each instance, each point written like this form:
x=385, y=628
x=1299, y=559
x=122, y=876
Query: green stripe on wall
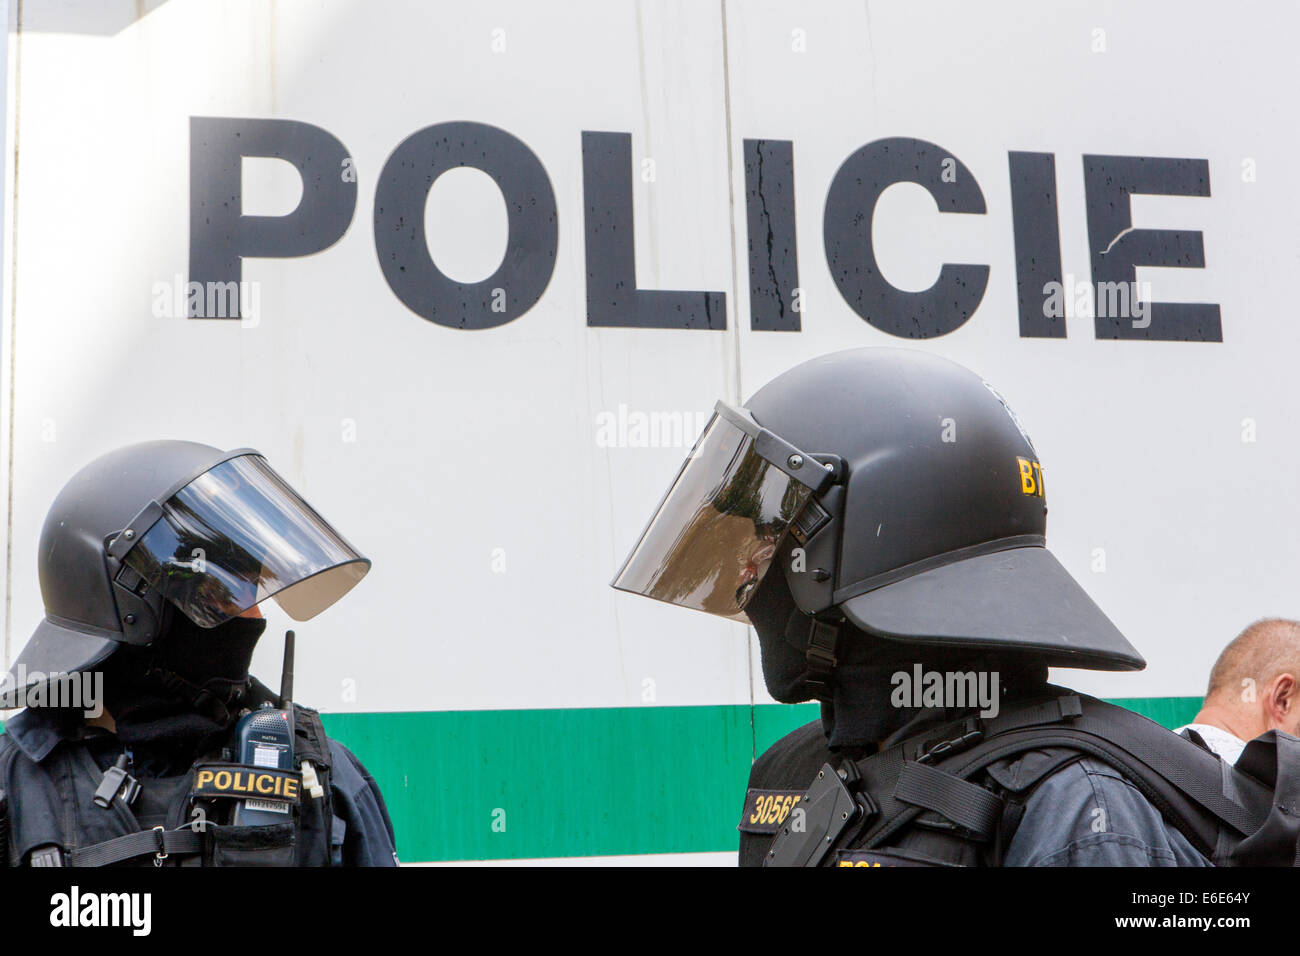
x=509, y=784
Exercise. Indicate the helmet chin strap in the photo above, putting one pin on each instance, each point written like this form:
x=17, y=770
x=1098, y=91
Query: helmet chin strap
x=823, y=637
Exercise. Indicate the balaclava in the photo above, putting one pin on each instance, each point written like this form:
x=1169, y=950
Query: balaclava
x=176, y=699
x=861, y=711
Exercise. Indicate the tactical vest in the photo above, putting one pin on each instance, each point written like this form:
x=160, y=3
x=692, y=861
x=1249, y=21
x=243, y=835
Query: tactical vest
x=948, y=796
x=58, y=823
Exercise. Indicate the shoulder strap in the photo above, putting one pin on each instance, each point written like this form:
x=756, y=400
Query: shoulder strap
x=1183, y=781
x=310, y=741
x=312, y=753
x=1157, y=756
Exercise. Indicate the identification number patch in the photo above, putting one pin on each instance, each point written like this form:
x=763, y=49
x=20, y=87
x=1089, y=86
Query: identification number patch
x=766, y=810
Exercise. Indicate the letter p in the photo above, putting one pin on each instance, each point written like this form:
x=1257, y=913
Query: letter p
x=221, y=236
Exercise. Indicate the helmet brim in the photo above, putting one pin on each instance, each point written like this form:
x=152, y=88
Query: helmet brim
x=53, y=650
x=1020, y=599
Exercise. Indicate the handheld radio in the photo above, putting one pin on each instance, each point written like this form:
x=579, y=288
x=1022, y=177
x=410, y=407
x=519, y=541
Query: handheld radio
x=264, y=738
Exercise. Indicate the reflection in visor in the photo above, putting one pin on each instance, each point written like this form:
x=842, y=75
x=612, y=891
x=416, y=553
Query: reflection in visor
x=237, y=535
x=717, y=530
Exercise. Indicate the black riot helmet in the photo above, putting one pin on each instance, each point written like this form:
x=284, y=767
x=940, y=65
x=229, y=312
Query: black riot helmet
x=169, y=526
x=895, y=490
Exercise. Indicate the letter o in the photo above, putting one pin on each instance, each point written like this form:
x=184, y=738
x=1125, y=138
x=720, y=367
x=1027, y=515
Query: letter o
x=531, y=246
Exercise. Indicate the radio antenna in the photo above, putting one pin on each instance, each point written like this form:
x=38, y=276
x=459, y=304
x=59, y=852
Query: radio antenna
x=286, y=676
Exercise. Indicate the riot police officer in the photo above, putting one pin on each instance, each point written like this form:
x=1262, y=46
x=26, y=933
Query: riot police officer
x=153, y=561
x=878, y=516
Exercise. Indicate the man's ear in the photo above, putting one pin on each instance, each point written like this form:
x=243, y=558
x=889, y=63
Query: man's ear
x=1282, y=701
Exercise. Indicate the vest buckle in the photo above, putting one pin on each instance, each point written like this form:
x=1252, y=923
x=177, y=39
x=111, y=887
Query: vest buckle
x=969, y=733
x=161, y=855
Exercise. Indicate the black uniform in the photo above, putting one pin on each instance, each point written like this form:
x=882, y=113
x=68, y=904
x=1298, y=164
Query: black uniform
x=1055, y=820
x=153, y=559
x=51, y=764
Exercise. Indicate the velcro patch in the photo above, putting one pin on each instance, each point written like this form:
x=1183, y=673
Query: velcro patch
x=245, y=782
x=766, y=810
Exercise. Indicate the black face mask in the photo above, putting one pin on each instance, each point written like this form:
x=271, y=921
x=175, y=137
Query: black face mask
x=783, y=632
x=861, y=712
x=178, y=697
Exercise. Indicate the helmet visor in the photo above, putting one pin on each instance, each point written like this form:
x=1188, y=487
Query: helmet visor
x=237, y=535
x=715, y=533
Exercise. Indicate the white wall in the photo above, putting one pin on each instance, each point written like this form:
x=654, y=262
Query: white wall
x=472, y=441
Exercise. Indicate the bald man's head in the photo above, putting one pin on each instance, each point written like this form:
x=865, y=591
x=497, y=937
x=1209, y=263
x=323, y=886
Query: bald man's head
x=1255, y=657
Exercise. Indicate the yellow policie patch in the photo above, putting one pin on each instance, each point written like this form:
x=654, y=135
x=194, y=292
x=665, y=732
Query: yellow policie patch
x=1031, y=477
x=241, y=780
x=766, y=810
x=877, y=858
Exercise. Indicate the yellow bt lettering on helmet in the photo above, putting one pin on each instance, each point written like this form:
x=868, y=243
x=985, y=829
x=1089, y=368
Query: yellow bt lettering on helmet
x=1031, y=477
